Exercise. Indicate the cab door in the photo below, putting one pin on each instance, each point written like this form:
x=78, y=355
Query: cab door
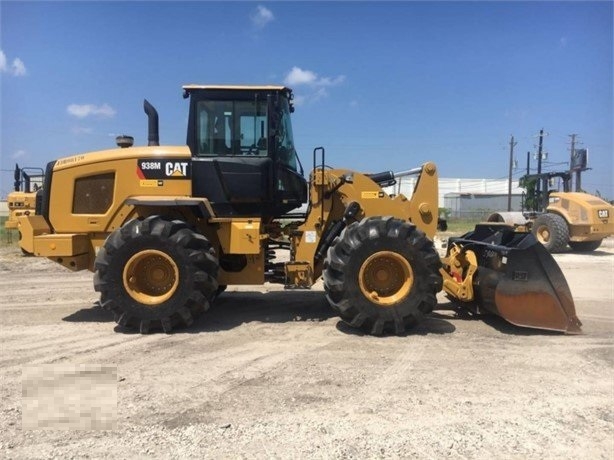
x=231, y=162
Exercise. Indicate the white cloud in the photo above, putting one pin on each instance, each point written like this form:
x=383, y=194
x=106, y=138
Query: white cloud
x=319, y=94
x=299, y=100
x=17, y=68
x=327, y=81
x=18, y=154
x=2, y=61
x=315, y=87
x=86, y=110
x=261, y=17
x=298, y=76
x=82, y=130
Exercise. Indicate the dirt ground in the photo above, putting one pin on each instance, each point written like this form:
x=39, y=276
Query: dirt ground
x=273, y=374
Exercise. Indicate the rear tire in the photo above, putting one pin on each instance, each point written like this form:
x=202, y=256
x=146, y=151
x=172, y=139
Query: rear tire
x=585, y=246
x=551, y=230
x=381, y=275
x=155, y=274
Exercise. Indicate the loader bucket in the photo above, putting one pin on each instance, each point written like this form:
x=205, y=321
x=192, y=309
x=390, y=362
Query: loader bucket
x=518, y=279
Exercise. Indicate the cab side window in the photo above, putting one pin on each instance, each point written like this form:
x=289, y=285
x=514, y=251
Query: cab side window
x=231, y=128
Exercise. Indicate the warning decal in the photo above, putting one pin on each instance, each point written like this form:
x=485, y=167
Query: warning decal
x=369, y=195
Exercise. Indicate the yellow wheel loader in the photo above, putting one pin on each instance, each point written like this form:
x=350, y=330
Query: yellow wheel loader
x=166, y=228
x=22, y=200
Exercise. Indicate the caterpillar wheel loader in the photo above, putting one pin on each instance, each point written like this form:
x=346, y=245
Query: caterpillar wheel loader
x=22, y=200
x=166, y=228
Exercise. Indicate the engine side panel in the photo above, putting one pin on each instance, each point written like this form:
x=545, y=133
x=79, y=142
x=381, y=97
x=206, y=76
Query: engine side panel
x=87, y=191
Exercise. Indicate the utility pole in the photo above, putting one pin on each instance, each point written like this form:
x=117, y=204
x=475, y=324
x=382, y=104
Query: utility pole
x=509, y=185
x=571, y=162
x=539, y=166
x=539, y=151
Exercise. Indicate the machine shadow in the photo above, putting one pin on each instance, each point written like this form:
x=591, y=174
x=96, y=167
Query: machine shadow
x=93, y=314
x=494, y=321
x=429, y=325
x=233, y=309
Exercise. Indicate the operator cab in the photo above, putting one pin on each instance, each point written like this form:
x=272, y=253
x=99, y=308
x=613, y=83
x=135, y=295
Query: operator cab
x=243, y=155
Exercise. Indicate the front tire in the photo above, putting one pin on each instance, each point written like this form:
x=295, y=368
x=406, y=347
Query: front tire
x=381, y=275
x=156, y=274
x=551, y=230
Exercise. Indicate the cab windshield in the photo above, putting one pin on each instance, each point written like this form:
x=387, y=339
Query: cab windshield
x=286, y=152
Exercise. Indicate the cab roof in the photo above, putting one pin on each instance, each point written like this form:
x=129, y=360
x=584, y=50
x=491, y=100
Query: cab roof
x=191, y=87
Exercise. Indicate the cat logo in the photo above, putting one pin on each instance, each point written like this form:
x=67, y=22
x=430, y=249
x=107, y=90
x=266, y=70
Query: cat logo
x=177, y=169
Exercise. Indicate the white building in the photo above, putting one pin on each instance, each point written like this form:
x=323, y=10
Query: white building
x=405, y=185
x=467, y=198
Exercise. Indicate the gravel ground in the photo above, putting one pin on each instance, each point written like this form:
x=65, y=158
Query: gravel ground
x=273, y=374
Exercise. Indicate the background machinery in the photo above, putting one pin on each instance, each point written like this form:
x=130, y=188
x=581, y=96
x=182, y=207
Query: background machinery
x=22, y=200
x=166, y=228
x=558, y=219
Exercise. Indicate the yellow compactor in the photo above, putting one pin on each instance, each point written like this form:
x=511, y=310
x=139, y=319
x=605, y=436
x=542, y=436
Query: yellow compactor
x=166, y=228
x=562, y=218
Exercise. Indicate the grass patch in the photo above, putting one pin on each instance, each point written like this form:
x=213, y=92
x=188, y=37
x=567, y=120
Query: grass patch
x=461, y=225
x=7, y=237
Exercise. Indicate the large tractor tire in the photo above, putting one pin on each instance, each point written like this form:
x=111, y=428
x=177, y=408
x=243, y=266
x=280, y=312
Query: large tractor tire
x=551, y=230
x=381, y=275
x=585, y=246
x=156, y=274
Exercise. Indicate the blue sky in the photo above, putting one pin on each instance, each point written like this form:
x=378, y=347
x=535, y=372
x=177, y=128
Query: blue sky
x=383, y=86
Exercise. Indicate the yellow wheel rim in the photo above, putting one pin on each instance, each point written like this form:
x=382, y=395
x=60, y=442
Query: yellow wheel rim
x=386, y=278
x=543, y=234
x=151, y=277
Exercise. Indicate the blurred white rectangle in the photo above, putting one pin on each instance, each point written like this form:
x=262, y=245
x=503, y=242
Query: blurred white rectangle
x=69, y=397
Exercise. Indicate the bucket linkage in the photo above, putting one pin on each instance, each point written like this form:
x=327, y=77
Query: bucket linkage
x=498, y=270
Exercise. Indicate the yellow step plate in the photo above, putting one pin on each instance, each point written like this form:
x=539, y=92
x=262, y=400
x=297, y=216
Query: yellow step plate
x=66, y=244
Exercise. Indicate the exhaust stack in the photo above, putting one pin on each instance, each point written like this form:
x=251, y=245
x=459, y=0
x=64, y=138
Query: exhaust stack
x=152, y=115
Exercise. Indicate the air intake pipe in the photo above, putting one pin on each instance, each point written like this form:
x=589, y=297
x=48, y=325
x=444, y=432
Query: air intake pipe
x=152, y=115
